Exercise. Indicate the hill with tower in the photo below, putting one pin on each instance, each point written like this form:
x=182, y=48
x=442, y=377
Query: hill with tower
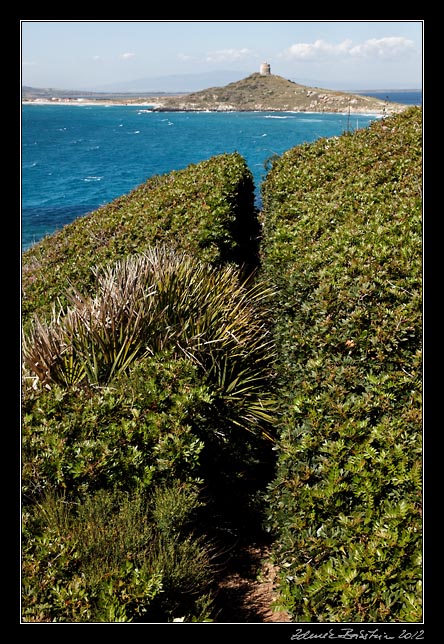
x=264, y=91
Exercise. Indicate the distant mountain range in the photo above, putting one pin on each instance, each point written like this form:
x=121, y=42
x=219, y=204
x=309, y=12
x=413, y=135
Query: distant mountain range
x=174, y=83
x=182, y=83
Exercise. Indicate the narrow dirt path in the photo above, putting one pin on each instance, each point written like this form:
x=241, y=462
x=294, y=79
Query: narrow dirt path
x=247, y=590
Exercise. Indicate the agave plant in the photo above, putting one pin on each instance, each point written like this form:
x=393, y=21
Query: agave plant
x=164, y=299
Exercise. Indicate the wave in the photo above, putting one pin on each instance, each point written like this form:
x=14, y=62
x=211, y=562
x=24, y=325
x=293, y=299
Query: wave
x=92, y=178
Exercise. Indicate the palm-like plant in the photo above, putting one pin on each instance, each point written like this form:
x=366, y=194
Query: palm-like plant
x=157, y=300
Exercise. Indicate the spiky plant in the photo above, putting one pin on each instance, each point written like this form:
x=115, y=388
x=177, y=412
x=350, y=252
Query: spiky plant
x=164, y=299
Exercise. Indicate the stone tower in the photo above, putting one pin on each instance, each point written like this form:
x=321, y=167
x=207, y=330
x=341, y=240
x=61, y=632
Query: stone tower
x=264, y=69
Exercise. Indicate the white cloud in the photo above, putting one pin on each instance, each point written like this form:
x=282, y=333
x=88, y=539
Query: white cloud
x=390, y=48
x=127, y=55
x=317, y=51
x=184, y=57
x=228, y=55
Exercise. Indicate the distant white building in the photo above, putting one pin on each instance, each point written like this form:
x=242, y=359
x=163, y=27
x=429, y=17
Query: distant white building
x=265, y=69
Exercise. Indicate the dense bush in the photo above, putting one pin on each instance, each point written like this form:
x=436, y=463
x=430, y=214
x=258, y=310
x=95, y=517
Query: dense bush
x=136, y=430
x=115, y=558
x=110, y=492
x=342, y=246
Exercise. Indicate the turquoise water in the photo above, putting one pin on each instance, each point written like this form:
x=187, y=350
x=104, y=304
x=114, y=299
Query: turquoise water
x=76, y=158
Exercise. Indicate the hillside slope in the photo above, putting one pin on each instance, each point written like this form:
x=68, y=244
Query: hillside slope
x=275, y=93
x=140, y=395
x=343, y=246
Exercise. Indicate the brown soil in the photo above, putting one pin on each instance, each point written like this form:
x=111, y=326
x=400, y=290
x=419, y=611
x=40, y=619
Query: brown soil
x=247, y=590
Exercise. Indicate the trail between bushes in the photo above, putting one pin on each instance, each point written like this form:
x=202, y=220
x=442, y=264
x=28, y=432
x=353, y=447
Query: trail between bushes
x=247, y=589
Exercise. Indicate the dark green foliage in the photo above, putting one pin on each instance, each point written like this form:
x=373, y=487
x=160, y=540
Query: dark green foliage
x=111, y=492
x=116, y=556
x=202, y=371
x=81, y=439
x=343, y=248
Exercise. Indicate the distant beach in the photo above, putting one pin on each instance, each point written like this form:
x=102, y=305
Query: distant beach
x=81, y=102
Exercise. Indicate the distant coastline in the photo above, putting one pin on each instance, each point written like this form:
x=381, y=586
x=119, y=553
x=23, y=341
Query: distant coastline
x=83, y=102
x=258, y=92
x=157, y=105
x=382, y=91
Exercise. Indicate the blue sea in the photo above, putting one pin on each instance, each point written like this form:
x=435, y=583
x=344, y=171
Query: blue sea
x=76, y=158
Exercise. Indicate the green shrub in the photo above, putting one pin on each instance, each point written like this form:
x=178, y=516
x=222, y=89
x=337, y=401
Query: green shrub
x=77, y=440
x=141, y=349
x=113, y=557
x=343, y=249
x=111, y=498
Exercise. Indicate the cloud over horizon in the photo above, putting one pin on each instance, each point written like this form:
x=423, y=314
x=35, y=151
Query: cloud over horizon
x=388, y=48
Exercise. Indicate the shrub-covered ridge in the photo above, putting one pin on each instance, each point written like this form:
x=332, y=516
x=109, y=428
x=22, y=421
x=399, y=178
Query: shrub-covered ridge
x=342, y=246
x=147, y=365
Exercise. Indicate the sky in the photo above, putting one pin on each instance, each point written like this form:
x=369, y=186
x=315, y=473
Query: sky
x=353, y=54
